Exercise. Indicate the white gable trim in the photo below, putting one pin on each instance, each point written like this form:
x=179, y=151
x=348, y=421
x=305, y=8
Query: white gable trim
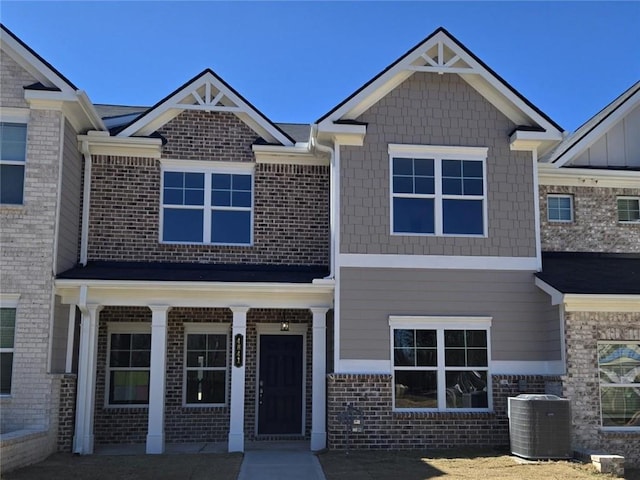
x=206, y=93
x=428, y=57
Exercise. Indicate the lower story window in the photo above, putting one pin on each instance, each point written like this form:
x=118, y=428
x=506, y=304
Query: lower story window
x=619, y=372
x=440, y=363
x=7, y=339
x=206, y=364
x=129, y=364
x=628, y=209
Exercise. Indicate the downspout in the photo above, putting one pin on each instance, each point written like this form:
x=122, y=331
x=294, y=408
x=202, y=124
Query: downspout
x=86, y=199
x=332, y=196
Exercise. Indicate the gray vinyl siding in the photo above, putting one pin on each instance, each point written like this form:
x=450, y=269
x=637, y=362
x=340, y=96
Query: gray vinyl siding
x=69, y=226
x=431, y=109
x=524, y=327
x=59, y=337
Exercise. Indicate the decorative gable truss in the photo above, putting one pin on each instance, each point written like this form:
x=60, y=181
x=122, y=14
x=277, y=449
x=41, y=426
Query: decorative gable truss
x=206, y=92
x=443, y=54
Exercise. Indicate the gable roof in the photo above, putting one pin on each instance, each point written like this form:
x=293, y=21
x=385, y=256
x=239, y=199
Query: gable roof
x=206, y=91
x=595, y=127
x=442, y=53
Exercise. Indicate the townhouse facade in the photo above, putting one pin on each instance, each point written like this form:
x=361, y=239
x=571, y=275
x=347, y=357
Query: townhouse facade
x=212, y=276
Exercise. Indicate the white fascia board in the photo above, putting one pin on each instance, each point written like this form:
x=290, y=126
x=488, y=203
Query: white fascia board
x=342, y=133
x=556, y=295
x=76, y=106
x=121, y=147
x=550, y=174
x=582, y=143
x=90, y=111
x=36, y=97
x=299, y=154
x=461, y=262
x=601, y=303
x=533, y=141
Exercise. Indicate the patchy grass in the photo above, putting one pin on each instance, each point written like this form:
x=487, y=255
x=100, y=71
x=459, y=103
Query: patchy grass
x=65, y=466
x=421, y=465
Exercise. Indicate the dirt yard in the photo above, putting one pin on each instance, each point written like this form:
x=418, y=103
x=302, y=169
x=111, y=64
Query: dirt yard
x=417, y=465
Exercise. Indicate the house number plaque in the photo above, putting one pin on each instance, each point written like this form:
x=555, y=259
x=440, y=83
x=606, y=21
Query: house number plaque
x=237, y=359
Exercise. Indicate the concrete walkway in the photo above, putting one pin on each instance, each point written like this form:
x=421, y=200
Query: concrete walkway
x=280, y=461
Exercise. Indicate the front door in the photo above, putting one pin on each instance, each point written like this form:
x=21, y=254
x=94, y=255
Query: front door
x=280, y=385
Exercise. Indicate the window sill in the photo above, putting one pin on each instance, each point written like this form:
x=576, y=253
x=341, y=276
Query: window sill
x=202, y=244
x=213, y=406
x=619, y=431
x=126, y=407
x=444, y=414
x=444, y=235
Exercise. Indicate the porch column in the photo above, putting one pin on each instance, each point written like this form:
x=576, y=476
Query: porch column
x=319, y=386
x=155, y=432
x=236, y=424
x=85, y=406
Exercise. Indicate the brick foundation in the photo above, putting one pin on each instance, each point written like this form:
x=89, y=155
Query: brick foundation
x=581, y=384
x=384, y=428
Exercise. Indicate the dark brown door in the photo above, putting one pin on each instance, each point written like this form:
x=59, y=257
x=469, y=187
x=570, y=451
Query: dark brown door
x=280, y=385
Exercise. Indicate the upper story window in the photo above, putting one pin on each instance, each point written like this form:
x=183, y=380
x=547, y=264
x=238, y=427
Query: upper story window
x=128, y=364
x=560, y=208
x=206, y=364
x=629, y=209
x=619, y=369
x=13, y=152
x=207, y=205
x=438, y=190
x=440, y=363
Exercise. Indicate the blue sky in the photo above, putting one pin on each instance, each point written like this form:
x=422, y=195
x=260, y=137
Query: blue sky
x=296, y=60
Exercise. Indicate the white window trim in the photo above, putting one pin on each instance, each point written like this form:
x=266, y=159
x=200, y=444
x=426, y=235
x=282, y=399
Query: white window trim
x=207, y=169
x=204, y=329
x=10, y=300
x=626, y=197
x=440, y=324
x=123, y=327
x=560, y=195
x=438, y=153
x=617, y=385
x=19, y=118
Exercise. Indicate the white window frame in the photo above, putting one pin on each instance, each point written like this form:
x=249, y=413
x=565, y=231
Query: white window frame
x=10, y=301
x=17, y=116
x=440, y=324
x=124, y=327
x=623, y=197
x=560, y=195
x=206, y=329
x=439, y=153
x=207, y=169
x=614, y=385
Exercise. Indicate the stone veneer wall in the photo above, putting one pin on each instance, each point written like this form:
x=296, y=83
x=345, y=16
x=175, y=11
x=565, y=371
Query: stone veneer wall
x=581, y=383
x=386, y=429
x=121, y=425
x=290, y=219
x=595, y=227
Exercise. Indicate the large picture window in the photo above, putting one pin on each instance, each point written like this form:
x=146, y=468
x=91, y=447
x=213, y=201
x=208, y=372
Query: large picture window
x=206, y=364
x=128, y=364
x=438, y=190
x=440, y=363
x=13, y=152
x=207, y=206
x=619, y=371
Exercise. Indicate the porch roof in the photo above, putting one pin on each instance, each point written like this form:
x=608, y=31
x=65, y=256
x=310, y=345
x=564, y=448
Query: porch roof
x=190, y=272
x=591, y=273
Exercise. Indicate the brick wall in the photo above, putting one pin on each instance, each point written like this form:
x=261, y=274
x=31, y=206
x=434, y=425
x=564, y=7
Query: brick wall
x=67, y=412
x=431, y=109
x=385, y=429
x=581, y=383
x=291, y=216
x=13, y=78
x=595, y=227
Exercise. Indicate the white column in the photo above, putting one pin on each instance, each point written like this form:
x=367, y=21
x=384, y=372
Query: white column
x=319, y=386
x=71, y=331
x=155, y=432
x=236, y=423
x=85, y=406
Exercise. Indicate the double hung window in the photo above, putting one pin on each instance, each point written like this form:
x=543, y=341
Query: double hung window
x=440, y=363
x=629, y=209
x=438, y=190
x=128, y=364
x=206, y=364
x=7, y=341
x=619, y=372
x=207, y=206
x=13, y=152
